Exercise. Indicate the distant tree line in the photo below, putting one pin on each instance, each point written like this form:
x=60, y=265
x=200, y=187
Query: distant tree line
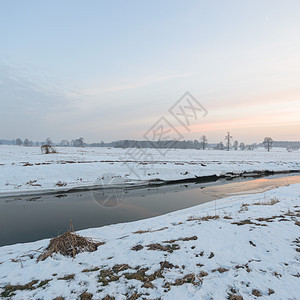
x=64, y=143
x=201, y=144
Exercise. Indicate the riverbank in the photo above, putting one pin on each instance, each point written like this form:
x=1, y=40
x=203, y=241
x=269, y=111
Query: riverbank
x=245, y=246
x=25, y=170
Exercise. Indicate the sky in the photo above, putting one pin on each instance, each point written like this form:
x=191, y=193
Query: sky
x=109, y=70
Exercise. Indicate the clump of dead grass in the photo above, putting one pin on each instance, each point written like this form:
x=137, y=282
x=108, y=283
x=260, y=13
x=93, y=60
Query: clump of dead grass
x=48, y=149
x=69, y=244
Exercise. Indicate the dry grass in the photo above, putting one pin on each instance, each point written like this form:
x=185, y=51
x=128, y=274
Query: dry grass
x=137, y=248
x=48, y=149
x=120, y=268
x=43, y=282
x=90, y=270
x=220, y=270
x=244, y=207
x=33, y=183
x=168, y=248
x=270, y=292
x=256, y=293
x=189, y=278
x=107, y=297
x=272, y=201
x=59, y=183
x=167, y=265
x=142, y=276
x=202, y=274
x=247, y=222
x=69, y=244
x=149, y=230
x=67, y=277
x=111, y=275
x=86, y=296
x=234, y=297
x=10, y=289
x=192, y=238
x=205, y=218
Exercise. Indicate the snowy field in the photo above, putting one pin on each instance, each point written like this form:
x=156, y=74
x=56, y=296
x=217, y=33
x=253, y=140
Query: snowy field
x=242, y=247
x=26, y=169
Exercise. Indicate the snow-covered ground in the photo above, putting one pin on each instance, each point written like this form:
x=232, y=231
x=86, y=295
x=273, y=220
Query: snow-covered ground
x=244, y=246
x=26, y=169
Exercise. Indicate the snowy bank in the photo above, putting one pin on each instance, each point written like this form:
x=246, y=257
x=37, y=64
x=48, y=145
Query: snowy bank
x=25, y=170
x=243, y=246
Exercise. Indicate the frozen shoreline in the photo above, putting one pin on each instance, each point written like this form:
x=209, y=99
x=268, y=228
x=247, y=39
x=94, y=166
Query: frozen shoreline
x=149, y=183
x=251, y=246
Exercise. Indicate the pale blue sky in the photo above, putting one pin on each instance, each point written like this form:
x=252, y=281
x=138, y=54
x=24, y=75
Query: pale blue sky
x=109, y=69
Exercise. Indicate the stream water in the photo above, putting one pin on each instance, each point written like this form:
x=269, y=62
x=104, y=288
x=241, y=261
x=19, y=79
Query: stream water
x=30, y=218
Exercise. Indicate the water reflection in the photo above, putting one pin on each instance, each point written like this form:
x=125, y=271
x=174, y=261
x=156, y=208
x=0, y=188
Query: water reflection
x=30, y=218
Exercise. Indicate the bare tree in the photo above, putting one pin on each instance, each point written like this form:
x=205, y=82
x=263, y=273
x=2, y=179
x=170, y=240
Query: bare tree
x=235, y=145
x=48, y=141
x=242, y=146
x=203, y=141
x=26, y=142
x=219, y=146
x=78, y=142
x=268, y=143
x=228, y=138
x=196, y=144
x=19, y=142
x=65, y=143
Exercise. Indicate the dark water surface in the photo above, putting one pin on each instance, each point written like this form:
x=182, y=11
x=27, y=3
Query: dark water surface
x=30, y=218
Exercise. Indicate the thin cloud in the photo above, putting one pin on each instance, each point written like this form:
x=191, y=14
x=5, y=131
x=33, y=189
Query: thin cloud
x=140, y=83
